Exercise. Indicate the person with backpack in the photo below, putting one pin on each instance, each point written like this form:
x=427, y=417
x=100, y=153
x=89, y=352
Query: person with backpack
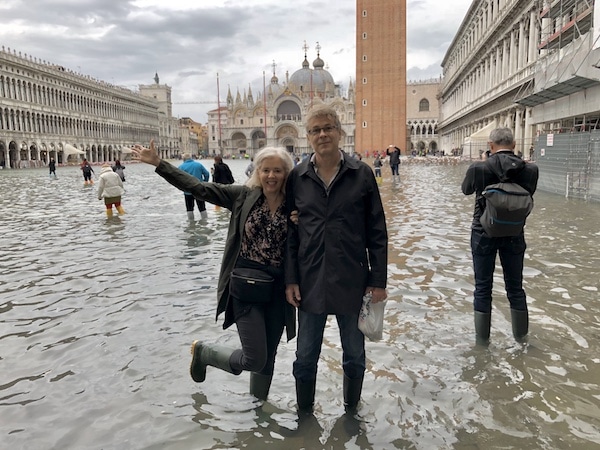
x=87, y=172
x=495, y=182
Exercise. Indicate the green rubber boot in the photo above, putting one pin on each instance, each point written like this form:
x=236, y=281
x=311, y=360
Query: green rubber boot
x=210, y=355
x=260, y=385
x=483, y=323
x=352, y=391
x=520, y=324
x=305, y=395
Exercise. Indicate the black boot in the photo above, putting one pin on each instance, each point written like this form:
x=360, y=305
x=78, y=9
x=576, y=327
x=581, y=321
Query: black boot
x=260, y=385
x=210, y=355
x=352, y=390
x=305, y=395
x=520, y=324
x=483, y=323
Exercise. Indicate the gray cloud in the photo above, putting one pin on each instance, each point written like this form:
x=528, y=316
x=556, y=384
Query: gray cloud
x=118, y=42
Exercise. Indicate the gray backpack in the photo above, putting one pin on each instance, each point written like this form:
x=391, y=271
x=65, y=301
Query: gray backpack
x=507, y=206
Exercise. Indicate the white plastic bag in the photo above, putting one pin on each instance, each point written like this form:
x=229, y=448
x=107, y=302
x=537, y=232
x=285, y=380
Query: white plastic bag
x=370, y=318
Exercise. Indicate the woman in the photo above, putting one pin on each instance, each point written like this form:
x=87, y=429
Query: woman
x=118, y=169
x=255, y=240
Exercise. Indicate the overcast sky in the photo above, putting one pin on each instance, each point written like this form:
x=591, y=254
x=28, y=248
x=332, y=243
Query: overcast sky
x=188, y=42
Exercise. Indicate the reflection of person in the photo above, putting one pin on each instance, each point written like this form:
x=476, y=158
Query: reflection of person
x=52, y=167
x=221, y=172
x=394, y=153
x=196, y=169
x=256, y=239
x=501, y=163
x=118, y=168
x=335, y=255
x=87, y=172
x=110, y=187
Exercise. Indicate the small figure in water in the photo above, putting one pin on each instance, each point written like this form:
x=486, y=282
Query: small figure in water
x=110, y=187
x=87, y=172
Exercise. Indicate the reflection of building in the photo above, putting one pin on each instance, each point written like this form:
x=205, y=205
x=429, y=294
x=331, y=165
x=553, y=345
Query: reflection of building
x=380, y=75
x=530, y=65
x=47, y=111
x=423, y=111
x=275, y=117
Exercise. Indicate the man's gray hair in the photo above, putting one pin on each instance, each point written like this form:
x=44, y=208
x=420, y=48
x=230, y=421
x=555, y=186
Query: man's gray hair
x=322, y=110
x=502, y=136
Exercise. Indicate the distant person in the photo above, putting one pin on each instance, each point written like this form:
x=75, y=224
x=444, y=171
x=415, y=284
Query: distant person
x=52, y=167
x=501, y=164
x=87, y=171
x=394, y=153
x=377, y=164
x=221, y=172
x=110, y=188
x=256, y=240
x=196, y=169
x=250, y=168
x=119, y=169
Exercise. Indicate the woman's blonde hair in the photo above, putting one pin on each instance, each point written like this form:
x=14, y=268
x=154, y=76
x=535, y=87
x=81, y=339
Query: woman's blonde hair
x=259, y=159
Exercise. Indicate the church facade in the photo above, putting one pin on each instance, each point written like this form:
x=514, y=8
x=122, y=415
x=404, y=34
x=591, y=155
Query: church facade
x=275, y=117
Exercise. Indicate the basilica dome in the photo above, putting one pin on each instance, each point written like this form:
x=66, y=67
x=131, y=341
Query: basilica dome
x=318, y=78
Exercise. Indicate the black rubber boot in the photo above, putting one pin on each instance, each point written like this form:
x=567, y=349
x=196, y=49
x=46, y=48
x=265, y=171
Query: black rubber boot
x=210, y=355
x=352, y=391
x=305, y=395
x=483, y=323
x=260, y=385
x=520, y=324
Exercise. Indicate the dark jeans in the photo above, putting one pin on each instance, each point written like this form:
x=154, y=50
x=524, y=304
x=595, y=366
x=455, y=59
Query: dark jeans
x=512, y=254
x=189, y=203
x=395, y=170
x=260, y=326
x=310, y=339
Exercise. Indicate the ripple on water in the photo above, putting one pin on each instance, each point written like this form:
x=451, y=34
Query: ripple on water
x=97, y=316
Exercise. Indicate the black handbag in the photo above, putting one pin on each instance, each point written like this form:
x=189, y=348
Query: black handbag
x=251, y=285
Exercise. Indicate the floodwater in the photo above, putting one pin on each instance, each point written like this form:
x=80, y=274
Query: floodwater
x=97, y=316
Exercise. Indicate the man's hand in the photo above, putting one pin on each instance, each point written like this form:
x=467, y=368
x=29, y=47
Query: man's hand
x=292, y=295
x=377, y=294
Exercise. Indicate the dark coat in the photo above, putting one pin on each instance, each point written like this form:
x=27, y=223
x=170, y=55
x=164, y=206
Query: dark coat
x=501, y=165
x=339, y=246
x=239, y=200
x=222, y=174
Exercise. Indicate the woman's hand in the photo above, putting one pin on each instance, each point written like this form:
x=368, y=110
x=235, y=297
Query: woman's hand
x=146, y=155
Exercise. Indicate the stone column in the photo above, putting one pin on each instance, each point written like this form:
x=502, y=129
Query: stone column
x=519, y=131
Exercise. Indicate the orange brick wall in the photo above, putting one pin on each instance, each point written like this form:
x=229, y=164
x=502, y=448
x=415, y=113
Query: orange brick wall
x=385, y=72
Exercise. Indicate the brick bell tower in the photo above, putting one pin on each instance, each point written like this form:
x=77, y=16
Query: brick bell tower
x=380, y=89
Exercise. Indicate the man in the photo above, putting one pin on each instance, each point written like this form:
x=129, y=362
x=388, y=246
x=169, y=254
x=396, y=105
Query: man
x=501, y=163
x=394, y=153
x=196, y=169
x=336, y=254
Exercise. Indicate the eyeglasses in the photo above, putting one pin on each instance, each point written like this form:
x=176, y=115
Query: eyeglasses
x=316, y=131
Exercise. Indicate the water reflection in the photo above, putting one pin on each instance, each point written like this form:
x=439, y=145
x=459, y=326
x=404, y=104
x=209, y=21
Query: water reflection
x=97, y=315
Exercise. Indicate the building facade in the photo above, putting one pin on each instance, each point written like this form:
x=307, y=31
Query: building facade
x=381, y=75
x=275, y=117
x=528, y=65
x=47, y=111
x=423, y=112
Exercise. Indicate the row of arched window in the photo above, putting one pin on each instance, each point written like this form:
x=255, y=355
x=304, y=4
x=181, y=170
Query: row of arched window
x=26, y=91
x=26, y=121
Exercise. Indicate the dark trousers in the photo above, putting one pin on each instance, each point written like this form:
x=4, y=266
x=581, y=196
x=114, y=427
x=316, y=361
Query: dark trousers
x=260, y=327
x=189, y=203
x=512, y=254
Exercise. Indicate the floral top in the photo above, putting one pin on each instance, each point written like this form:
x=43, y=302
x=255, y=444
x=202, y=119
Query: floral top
x=265, y=234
